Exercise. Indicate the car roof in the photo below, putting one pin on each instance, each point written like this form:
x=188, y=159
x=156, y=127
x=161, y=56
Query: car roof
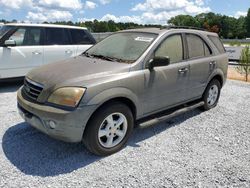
x=144, y=30
x=45, y=25
x=164, y=30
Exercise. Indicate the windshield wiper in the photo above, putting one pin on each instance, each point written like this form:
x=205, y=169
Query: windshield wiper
x=106, y=57
x=98, y=56
x=102, y=57
x=86, y=54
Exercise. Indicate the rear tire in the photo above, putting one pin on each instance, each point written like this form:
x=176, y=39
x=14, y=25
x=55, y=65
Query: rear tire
x=108, y=129
x=211, y=95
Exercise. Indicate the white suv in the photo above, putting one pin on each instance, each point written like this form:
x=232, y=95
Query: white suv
x=25, y=46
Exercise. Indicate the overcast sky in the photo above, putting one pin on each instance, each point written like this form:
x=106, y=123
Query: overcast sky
x=139, y=11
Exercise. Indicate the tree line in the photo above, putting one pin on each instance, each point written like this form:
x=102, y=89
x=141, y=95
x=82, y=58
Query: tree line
x=227, y=27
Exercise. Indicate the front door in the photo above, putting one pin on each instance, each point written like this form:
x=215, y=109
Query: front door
x=166, y=86
x=81, y=40
x=28, y=53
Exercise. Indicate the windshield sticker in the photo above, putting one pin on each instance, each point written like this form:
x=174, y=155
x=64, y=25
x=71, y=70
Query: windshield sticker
x=144, y=39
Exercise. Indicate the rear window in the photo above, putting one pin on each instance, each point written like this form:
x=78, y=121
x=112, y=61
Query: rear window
x=79, y=36
x=217, y=42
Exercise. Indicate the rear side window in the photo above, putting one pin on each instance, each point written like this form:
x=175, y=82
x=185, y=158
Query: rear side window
x=197, y=47
x=56, y=36
x=217, y=42
x=79, y=36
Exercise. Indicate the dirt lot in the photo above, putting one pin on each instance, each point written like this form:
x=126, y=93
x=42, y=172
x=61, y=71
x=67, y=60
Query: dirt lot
x=235, y=75
x=196, y=149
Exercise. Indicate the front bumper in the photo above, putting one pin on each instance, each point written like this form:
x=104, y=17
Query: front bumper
x=69, y=125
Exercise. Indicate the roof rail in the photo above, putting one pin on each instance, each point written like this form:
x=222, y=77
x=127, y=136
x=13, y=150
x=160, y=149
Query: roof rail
x=183, y=27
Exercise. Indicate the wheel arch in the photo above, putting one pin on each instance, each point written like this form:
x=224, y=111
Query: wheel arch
x=123, y=100
x=219, y=78
x=218, y=74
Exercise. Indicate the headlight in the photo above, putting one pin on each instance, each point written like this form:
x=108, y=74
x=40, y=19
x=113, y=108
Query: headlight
x=67, y=96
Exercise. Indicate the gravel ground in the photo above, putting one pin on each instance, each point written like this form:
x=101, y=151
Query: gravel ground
x=196, y=149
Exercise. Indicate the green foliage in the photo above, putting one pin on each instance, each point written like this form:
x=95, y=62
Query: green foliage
x=184, y=20
x=248, y=23
x=104, y=26
x=235, y=43
x=245, y=61
x=225, y=26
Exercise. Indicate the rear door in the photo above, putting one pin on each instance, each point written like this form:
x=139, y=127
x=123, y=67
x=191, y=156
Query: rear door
x=202, y=63
x=28, y=53
x=81, y=39
x=57, y=45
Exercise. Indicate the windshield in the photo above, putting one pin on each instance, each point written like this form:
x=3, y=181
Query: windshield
x=122, y=47
x=3, y=30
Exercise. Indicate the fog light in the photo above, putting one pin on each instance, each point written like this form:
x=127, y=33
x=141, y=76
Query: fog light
x=52, y=124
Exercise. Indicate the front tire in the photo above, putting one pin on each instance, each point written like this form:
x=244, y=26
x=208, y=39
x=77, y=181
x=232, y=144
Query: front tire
x=211, y=95
x=108, y=129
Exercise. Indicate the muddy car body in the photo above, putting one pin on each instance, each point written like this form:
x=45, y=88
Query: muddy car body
x=98, y=96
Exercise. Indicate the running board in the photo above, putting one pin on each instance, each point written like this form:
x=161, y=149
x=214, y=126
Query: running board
x=171, y=115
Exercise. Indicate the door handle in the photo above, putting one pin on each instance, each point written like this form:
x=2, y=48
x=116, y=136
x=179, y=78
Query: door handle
x=36, y=53
x=212, y=63
x=183, y=70
x=68, y=52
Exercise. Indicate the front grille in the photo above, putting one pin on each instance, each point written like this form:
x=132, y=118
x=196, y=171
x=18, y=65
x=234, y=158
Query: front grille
x=32, y=89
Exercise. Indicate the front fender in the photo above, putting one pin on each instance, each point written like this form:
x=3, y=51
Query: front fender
x=113, y=93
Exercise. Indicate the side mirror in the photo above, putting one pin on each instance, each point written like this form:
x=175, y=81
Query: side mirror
x=9, y=43
x=158, y=61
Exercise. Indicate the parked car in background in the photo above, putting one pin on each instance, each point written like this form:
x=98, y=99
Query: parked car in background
x=98, y=96
x=25, y=46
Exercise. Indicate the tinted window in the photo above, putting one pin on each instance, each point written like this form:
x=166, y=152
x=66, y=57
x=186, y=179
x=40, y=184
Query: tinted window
x=56, y=36
x=216, y=41
x=4, y=30
x=79, y=36
x=171, y=47
x=26, y=36
x=197, y=47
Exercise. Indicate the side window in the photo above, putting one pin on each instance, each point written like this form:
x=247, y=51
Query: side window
x=217, y=42
x=79, y=36
x=18, y=36
x=27, y=36
x=207, y=50
x=197, y=47
x=56, y=36
x=171, y=47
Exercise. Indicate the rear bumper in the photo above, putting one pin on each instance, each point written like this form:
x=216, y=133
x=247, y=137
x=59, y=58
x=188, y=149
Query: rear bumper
x=68, y=125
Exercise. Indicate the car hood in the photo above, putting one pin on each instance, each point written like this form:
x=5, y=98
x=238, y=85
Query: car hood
x=77, y=71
